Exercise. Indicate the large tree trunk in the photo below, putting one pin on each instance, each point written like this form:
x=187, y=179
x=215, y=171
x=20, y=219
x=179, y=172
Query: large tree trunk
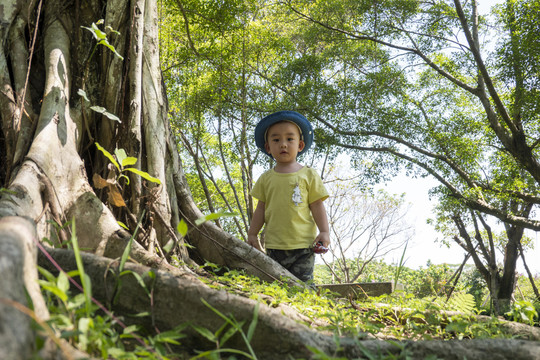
x=501, y=287
x=48, y=153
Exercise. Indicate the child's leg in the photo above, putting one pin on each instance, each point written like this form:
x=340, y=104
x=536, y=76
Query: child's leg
x=299, y=262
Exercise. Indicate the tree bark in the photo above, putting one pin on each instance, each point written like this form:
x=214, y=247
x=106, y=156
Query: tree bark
x=18, y=259
x=48, y=157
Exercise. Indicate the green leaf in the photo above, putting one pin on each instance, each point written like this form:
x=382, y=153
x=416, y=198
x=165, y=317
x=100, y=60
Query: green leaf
x=98, y=33
x=137, y=277
x=120, y=155
x=92, y=31
x=103, y=111
x=82, y=93
x=53, y=289
x=98, y=109
x=130, y=160
x=48, y=275
x=108, y=155
x=122, y=225
x=104, y=42
x=253, y=324
x=124, y=177
x=144, y=175
x=76, y=302
x=205, y=332
x=109, y=28
x=85, y=279
x=228, y=334
x=125, y=255
x=111, y=116
x=130, y=329
x=62, y=282
x=170, y=337
x=182, y=228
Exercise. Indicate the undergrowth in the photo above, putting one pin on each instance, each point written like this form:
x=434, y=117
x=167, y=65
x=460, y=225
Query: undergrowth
x=391, y=317
x=398, y=317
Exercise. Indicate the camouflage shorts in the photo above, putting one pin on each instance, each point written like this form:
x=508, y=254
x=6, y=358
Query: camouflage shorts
x=299, y=262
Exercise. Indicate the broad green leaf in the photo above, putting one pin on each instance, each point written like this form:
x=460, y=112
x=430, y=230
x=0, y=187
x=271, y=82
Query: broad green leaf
x=182, y=228
x=144, y=175
x=98, y=109
x=108, y=155
x=63, y=282
x=130, y=160
x=92, y=31
x=120, y=156
x=130, y=329
x=116, y=353
x=76, y=302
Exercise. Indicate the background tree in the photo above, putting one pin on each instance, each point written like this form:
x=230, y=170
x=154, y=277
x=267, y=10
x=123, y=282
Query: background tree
x=401, y=84
x=364, y=226
x=433, y=97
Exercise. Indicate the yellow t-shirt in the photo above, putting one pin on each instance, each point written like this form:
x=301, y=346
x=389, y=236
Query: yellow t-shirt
x=288, y=219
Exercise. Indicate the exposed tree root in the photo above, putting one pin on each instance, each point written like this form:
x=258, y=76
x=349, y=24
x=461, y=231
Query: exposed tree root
x=179, y=299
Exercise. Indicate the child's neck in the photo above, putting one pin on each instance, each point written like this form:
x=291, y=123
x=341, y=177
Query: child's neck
x=287, y=167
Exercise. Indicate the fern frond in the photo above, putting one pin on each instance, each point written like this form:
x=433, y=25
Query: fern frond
x=462, y=302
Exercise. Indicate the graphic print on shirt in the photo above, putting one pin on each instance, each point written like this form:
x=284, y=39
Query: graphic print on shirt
x=297, y=196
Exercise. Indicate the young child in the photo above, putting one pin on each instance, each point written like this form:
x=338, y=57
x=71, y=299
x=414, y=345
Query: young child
x=290, y=196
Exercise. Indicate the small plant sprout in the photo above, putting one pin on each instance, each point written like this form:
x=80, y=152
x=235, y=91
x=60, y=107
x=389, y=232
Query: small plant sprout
x=122, y=163
x=101, y=36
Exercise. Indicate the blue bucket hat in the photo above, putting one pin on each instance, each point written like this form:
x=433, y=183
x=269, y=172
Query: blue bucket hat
x=286, y=115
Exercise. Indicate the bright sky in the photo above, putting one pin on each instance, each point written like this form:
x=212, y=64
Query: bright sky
x=424, y=245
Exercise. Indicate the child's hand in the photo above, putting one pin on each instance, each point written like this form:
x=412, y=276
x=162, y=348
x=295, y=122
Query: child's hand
x=324, y=238
x=253, y=240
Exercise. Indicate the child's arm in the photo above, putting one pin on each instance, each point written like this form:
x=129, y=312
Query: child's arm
x=257, y=223
x=319, y=215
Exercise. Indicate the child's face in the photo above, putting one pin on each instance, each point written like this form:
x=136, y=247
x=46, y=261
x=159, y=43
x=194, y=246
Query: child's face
x=283, y=142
